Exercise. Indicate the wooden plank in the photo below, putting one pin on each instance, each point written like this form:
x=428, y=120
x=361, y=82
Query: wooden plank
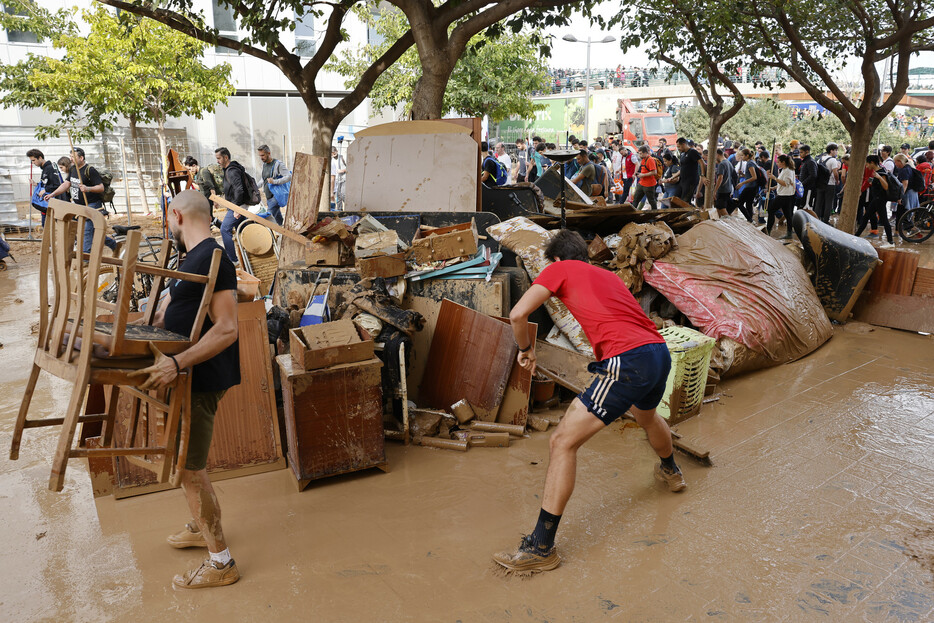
x=911, y=313
x=924, y=282
x=569, y=366
x=310, y=176
x=223, y=203
x=515, y=406
x=470, y=358
x=896, y=275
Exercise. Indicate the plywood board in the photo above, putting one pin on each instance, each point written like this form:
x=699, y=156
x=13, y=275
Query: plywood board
x=911, y=313
x=924, y=282
x=310, y=176
x=413, y=172
x=487, y=297
x=515, y=406
x=470, y=358
x=896, y=275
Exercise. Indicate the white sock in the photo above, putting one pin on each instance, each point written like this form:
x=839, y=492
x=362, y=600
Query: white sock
x=221, y=558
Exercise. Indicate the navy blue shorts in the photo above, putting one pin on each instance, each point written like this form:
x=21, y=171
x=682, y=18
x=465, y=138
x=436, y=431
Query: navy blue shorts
x=636, y=377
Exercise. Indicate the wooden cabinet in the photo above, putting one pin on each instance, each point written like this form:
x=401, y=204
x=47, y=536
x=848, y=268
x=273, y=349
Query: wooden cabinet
x=333, y=418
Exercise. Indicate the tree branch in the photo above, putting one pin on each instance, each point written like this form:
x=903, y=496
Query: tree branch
x=365, y=83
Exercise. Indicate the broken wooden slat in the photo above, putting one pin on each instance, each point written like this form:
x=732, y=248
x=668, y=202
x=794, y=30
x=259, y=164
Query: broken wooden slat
x=515, y=406
x=924, y=282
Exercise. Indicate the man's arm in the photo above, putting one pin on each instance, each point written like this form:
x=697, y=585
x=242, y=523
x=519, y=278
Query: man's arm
x=235, y=179
x=223, y=313
x=282, y=175
x=533, y=298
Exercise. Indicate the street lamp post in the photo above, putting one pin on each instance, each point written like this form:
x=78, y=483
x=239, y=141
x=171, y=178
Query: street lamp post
x=571, y=38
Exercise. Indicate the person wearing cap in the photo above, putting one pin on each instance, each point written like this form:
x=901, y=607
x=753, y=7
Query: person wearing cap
x=826, y=193
x=905, y=150
x=646, y=179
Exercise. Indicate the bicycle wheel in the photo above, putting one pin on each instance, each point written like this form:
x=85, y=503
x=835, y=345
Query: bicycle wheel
x=916, y=225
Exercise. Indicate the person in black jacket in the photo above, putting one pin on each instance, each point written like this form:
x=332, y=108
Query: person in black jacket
x=50, y=178
x=234, y=192
x=807, y=174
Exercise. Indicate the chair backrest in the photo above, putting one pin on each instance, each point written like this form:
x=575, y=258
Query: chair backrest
x=74, y=281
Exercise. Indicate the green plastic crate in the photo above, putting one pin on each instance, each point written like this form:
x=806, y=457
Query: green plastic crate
x=690, y=361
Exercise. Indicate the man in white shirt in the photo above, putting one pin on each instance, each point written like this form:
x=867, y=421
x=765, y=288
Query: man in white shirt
x=503, y=157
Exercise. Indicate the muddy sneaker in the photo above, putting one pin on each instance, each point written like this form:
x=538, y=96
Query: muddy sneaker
x=674, y=479
x=209, y=574
x=528, y=558
x=190, y=536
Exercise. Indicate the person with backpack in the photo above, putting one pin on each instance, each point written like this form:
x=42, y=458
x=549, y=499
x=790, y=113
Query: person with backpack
x=647, y=178
x=87, y=187
x=747, y=187
x=240, y=189
x=492, y=171
x=724, y=184
x=828, y=170
x=49, y=181
x=204, y=179
x=274, y=174
x=881, y=183
x=784, y=201
x=911, y=182
x=807, y=175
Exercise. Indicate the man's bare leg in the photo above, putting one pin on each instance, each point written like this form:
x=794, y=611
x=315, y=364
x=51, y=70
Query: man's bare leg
x=659, y=434
x=576, y=427
x=537, y=552
x=202, y=502
x=657, y=430
x=220, y=569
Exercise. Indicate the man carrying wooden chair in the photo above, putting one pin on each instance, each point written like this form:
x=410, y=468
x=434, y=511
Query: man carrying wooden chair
x=215, y=364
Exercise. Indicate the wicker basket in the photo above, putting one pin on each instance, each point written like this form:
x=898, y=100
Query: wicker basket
x=690, y=361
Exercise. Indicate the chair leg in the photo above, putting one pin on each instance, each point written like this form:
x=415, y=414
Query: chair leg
x=173, y=411
x=107, y=434
x=23, y=410
x=67, y=435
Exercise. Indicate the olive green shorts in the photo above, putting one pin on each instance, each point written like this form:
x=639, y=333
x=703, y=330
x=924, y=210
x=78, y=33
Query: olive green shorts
x=203, y=409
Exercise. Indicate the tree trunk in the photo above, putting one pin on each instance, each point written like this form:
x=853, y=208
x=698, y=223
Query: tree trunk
x=428, y=95
x=163, y=144
x=323, y=127
x=716, y=122
x=134, y=134
x=860, y=137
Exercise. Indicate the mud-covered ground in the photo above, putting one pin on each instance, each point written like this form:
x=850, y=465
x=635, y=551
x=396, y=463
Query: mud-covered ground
x=819, y=507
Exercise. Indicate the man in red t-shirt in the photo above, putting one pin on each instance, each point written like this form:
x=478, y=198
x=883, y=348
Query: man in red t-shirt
x=630, y=373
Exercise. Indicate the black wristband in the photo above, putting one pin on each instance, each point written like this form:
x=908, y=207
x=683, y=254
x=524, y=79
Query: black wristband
x=177, y=369
x=526, y=349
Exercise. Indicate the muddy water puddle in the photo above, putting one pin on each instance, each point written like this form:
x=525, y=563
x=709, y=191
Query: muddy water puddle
x=819, y=507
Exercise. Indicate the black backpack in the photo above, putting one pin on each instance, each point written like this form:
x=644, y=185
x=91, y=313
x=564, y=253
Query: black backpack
x=916, y=181
x=761, y=178
x=251, y=189
x=895, y=190
x=823, y=173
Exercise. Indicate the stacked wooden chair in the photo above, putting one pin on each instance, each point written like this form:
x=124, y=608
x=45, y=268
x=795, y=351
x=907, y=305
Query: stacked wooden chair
x=76, y=346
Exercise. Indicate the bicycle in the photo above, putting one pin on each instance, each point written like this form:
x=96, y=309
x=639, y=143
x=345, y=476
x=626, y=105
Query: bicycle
x=143, y=282
x=917, y=224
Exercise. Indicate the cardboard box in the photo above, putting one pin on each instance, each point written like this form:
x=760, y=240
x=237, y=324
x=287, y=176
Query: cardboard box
x=382, y=266
x=445, y=243
x=331, y=253
x=377, y=243
x=329, y=344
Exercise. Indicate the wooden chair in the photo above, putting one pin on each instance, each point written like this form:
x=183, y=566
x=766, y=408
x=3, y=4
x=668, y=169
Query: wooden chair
x=108, y=358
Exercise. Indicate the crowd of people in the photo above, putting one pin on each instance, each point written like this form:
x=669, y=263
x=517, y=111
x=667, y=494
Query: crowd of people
x=568, y=79
x=765, y=188
x=920, y=125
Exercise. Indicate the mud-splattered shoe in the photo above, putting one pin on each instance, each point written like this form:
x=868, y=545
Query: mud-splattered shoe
x=189, y=536
x=209, y=574
x=528, y=558
x=674, y=479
